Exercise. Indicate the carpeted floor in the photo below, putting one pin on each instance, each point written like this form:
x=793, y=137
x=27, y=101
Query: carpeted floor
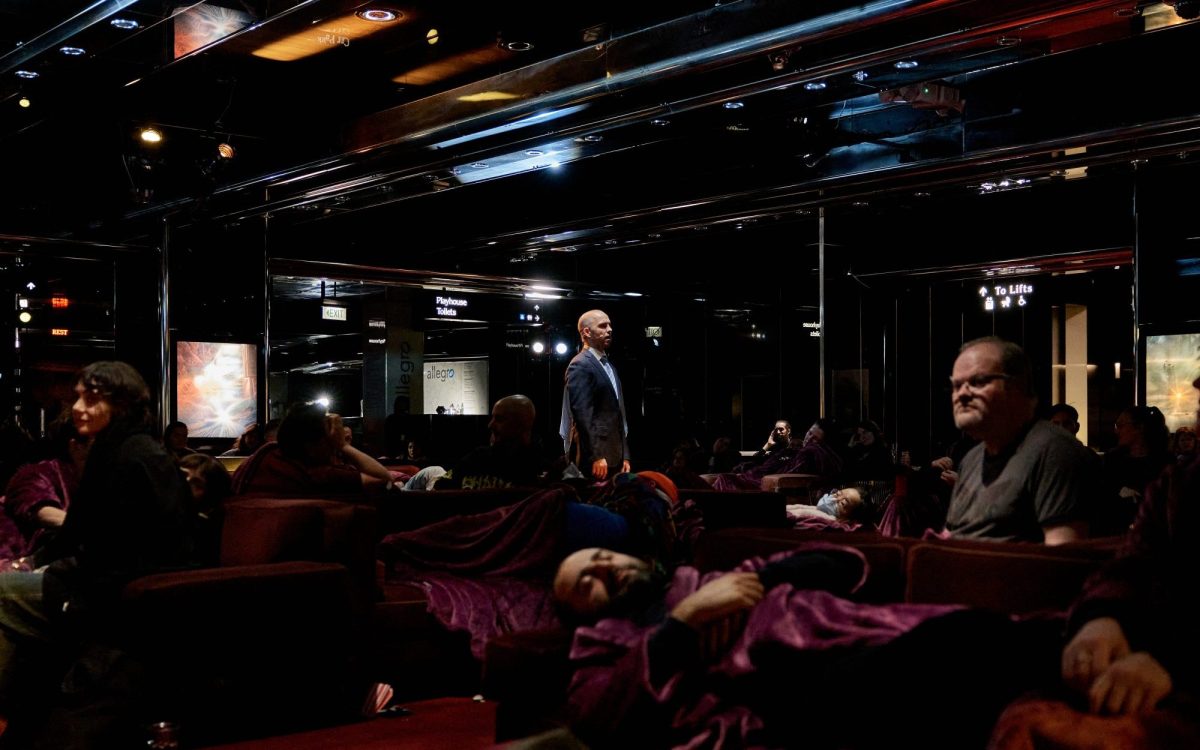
x=437, y=724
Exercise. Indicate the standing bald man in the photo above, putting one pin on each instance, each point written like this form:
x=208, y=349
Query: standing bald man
x=594, y=402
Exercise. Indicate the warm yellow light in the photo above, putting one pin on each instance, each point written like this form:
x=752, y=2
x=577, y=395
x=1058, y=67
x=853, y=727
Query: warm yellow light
x=225, y=151
x=488, y=96
x=432, y=36
x=151, y=135
x=25, y=317
x=454, y=65
x=24, y=102
x=337, y=32
x=59, y=332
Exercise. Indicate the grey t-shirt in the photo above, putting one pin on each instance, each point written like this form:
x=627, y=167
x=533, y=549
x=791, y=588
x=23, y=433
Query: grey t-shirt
x=1011, y=497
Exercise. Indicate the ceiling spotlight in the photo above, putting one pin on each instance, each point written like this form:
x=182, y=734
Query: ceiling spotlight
x=538, y=347
x=478, y=165
x=72, y=51
x=733, y=105
x=24, y=102
x=151, y=135
x=124, y=24
x=589, y=138
x=905, y=64
x=661, y=123
x=378, y=15
x=28, y=75
x=431, y=36
x=225, y=151
x=25, y=317
x=534, y=152
x=860, y=75
x=560, y=348
x=814, y=86
x=633, y=294
x=518, y=46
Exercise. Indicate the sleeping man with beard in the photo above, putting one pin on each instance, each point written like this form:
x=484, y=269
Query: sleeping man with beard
x=772, y=655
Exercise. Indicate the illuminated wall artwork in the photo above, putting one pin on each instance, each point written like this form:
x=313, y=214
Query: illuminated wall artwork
x=1172, y=363
x=216, y=387
x=458, y=387
x=201, y=25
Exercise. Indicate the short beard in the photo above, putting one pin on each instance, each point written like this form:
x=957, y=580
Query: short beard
x=641, y=598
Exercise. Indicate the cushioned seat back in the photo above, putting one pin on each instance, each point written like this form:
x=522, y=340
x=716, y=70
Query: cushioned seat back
x=1000, y=576
x=268, y=530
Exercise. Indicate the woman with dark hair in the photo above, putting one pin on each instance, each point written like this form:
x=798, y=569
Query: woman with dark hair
x=129, y=518
x=1140, y=456
x=870, y=457
x=36, y=499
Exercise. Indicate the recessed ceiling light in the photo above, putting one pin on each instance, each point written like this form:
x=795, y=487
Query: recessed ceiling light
x=733, y=105
x=24, y=102
x=151, y=135
x=921, y=194
x=72, y=51
x=518, y=46
x=431, y=36
x=633, y=294
x=660, y=123
x=589, y=138
x=28, y=75
x=860, y=204
x=534, y=152
x=814, y=86
x=124, y=24
x=378, y=15
x=860, y=75
x=905, y=64
x=226, y=151
x=478, y=165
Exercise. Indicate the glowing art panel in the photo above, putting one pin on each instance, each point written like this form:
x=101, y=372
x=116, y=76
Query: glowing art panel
x=200, y=25
x=1172, y=363
x=216, y=387
x=456, y=387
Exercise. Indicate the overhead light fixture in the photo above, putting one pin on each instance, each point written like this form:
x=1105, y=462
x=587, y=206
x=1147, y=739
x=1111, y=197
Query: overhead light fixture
x=534, y=152
x=905, y=64
x=431, y=36
x=1008, y=41
x=151, y=135
x=28, y=75
x=633, y=294
x=814, y=86
x=660, y=122
x=378, y=15
x=24, y=102
x=124, y=24
x=25, y=317
x=733, y=105
x=589, y=138
x=538, y=347
x=560, y=348
x=860, y=75
x=72, y=51
x=226, y=151
x=518, y=46
x=479, y=165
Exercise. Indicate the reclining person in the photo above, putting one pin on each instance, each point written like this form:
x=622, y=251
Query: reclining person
x=769, y=653
x=843, y=505
x=812, y=454
x=312, y=458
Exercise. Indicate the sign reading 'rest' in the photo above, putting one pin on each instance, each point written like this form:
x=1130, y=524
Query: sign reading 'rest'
x=330, y=312
x=449, y=307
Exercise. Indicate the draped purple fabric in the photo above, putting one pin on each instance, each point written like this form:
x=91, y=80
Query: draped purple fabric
x=33, y=487
x=487, y=607
x=612, y=687
x=519, y=539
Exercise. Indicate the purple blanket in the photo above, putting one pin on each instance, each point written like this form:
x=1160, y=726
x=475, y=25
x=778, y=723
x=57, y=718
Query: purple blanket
x=611, y=686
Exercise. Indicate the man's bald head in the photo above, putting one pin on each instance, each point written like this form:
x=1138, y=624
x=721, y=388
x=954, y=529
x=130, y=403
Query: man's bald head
x=595, y=330
x=512, y=420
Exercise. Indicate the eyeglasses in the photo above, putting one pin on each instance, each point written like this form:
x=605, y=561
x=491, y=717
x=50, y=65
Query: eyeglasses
x=977, y=382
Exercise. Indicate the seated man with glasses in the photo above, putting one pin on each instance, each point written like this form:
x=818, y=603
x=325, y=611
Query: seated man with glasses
x=1025, y=481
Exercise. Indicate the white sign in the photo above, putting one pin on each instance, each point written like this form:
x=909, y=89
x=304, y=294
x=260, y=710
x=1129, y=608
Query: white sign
x=1005, y=296
x=330, y=312
x=448, y=307
x=457, y=387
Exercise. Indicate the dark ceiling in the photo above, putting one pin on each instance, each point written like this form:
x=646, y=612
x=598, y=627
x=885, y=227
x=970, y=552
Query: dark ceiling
x=671, y=129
